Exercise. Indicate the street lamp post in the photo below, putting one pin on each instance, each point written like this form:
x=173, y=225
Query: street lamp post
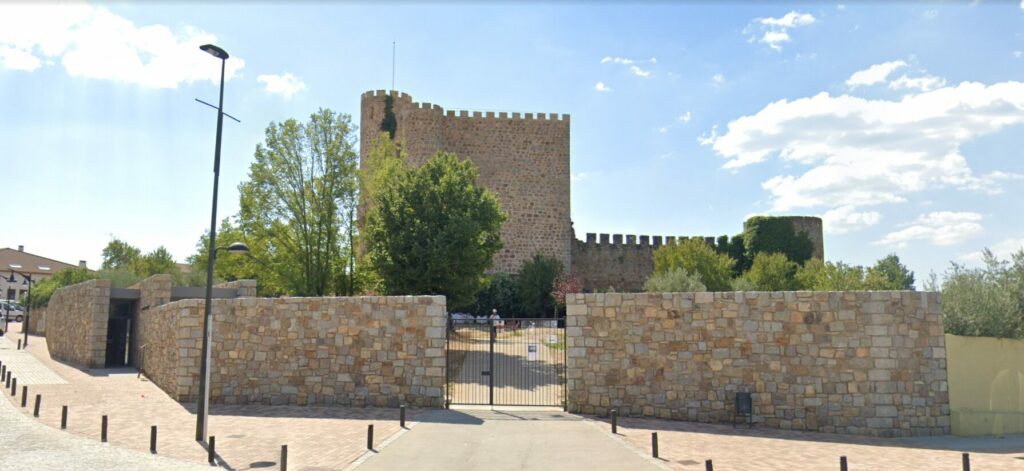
x=28, y=305
x=203, y=404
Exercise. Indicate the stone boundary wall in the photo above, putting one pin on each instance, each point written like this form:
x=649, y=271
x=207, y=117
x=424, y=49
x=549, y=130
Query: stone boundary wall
x=868, y=363
x=76, y=323
x=246, y=288
x=380, y=351
x=37, y=321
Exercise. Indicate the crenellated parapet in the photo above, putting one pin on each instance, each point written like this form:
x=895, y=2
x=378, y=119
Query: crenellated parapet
x=404, y=100
x=613, y=241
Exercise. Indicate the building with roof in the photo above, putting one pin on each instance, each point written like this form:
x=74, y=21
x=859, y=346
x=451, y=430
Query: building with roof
x=18, y=263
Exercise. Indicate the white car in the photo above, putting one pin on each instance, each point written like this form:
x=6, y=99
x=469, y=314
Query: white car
x=17, y=312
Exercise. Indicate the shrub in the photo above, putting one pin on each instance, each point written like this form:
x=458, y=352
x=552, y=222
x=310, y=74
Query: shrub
x=773, y=272
x=501, y=292
x=985, y=301
x=697, y=257
x=676, y=280
x=536, y=284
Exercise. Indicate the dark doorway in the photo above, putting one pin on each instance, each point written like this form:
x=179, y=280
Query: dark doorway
x=119, y=333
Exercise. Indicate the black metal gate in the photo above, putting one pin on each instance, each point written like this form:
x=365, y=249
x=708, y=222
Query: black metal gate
x=508, y=362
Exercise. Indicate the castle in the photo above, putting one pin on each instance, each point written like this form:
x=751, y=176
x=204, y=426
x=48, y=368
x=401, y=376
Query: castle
x=524, y=159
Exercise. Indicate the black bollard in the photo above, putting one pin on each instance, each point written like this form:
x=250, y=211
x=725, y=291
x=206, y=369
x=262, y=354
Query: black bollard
x=284, y=457
x=24, y=396
x=35, y=410
x=615, y=421
x=14, y=387
x=103, y=430
x=401, y=415
x=708, y=466
x=654, y=444
x=19, y=344
x=210, y=454
x=152, y=439
x=967, y=461
x=369, y=437
x=842, y=463
x=64, y=417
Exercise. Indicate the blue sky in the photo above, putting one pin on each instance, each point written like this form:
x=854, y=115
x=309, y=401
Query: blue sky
x=899, y=124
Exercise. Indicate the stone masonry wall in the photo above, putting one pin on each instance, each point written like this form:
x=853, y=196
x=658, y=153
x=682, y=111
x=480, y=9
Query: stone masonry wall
x=381, y=351
x=37, y=321
x=246, y=288
x=76, y=323
x=153, y=292
x=159, y=329
x=869, y=363
x=523, y=158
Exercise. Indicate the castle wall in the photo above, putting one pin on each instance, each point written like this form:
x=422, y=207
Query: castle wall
x=522, y=158
x=813, y=227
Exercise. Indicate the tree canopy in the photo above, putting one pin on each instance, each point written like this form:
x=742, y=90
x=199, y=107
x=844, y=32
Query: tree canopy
x=696, y=257
x=432, y=229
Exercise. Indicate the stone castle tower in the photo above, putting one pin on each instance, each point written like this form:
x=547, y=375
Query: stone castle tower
x=524, y=159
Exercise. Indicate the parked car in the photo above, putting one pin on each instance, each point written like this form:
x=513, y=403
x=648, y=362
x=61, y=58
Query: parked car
x=17, y=312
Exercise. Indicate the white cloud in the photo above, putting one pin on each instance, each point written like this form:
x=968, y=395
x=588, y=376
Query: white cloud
x=617, y=60
x=601, y=87
x=790, y=20
x=1002, y=250
x=684, y=118
x=867, y=152
x=579, y=177
x=776, y=30
x=92, y=42
x=663, y=129
x=1022, y=4
x=930, y=14
x=925, y=83
x=1018, y=54
x=718, y=78
x=939, y=228
x=846, y=219
x=285, y=85
x=639, y=72
x=18, y=59
x=840, y=7
x=875, y=74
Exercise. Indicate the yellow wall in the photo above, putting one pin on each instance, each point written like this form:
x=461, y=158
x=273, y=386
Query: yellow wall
x=986, y=385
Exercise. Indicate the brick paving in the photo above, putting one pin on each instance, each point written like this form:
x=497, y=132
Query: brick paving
x=318, y=438
x=686, y=446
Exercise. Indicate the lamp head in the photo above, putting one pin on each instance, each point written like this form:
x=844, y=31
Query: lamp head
x=238, y=247
x=214, y=51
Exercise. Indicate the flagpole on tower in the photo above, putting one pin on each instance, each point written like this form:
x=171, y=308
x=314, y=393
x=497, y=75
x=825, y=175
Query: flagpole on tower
x=392, y=65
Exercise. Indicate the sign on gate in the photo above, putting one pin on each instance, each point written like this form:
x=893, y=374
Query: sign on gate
x=531, y=352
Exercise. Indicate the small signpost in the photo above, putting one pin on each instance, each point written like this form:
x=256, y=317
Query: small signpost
x=531, y=352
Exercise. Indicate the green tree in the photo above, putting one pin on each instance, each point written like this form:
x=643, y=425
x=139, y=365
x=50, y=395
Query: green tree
x=388, y=123
x=816, y=275
x=119, y=254
x=676, y=280
x=229, y=267
x=773, y=272
x=500, y=291
x=300, y=199
x=432, y=229
x=159, y=261
x=537, y=283
x=986, y=301
x=697, y=257
x=889, y=274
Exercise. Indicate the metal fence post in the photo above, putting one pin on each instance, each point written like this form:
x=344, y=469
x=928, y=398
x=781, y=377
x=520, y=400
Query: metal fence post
x=842, y=463
x=24, y=396
x=654, y=444
x=709, y=466
x=615, y=421
x=35, y=410
x=369, y=437
x=966, y=461
x=284, y=457
x=103, y=429
x=401, y=414
x=64, y=417
x=152, y=439
x=210, y=453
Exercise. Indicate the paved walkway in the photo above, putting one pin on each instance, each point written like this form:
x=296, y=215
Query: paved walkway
x=248, y=437
x=27, y=444
x=686, y=446
x=480, y=439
